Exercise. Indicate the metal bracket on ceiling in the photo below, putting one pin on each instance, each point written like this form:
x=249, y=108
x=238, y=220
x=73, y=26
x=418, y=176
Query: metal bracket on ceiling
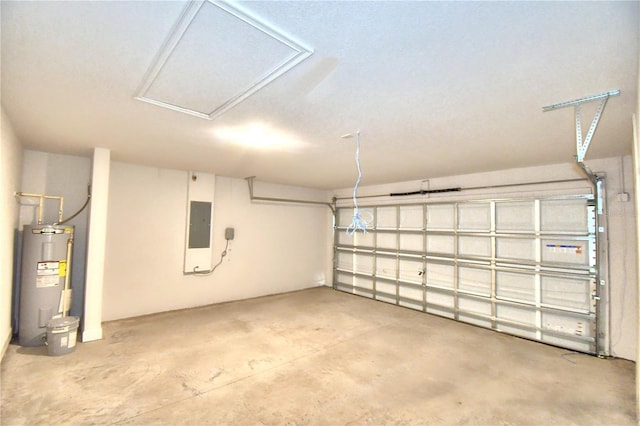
x=253, y=198
x=583, y=145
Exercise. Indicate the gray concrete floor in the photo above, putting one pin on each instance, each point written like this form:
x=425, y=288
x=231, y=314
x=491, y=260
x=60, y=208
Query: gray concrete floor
x=311, y=357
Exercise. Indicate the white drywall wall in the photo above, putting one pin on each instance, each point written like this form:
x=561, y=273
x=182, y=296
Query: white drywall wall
x=96, y=245
x=636, y=179
x=10, y=174
x=621, y=222
x=277, y=247
x=66, y=176
x=623, y=276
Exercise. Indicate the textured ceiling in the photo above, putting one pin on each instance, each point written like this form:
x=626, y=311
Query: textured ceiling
x=216, y=57
x=436, y=88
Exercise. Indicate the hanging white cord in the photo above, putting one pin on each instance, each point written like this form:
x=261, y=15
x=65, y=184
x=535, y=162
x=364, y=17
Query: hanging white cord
x=357, y=223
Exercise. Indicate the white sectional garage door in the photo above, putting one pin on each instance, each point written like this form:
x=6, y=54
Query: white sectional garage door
x=525, y=267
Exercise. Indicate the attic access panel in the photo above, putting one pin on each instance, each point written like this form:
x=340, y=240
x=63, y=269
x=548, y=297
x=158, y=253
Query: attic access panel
x=217, y=56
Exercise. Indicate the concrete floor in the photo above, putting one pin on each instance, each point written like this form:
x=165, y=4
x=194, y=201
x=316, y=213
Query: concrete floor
x=311, y=357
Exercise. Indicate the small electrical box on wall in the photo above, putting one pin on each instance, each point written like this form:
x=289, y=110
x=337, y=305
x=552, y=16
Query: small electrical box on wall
x=199, y=229
x=229, y=233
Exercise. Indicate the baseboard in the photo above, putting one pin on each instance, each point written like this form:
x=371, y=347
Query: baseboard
x=5, y=341
x=91, y=335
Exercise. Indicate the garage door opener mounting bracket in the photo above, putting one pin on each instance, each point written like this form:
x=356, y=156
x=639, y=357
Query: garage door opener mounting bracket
x=602, y=344
x=582, y=145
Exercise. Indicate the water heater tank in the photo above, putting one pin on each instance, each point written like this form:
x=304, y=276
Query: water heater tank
x=46, y=261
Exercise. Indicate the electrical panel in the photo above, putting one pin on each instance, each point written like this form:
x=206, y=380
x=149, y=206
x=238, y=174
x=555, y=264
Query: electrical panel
x=200, y=224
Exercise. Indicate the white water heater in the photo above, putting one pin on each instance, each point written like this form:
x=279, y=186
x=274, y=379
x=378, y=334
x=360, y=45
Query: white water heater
x=45, y=291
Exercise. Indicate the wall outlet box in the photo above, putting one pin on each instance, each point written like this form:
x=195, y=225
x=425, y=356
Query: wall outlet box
x=229, y=233
x=623, y=197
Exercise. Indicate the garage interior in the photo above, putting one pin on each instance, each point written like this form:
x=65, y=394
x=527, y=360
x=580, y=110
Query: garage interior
x=321, y=212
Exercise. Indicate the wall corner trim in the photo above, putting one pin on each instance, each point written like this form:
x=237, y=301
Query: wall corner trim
x=92, y=335
x=6, y=341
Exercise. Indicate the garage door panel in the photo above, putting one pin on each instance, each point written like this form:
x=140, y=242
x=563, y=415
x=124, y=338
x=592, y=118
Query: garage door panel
x=473, y=305
x=524, y=267
x=363, y=240
x=567, y=323
x=472, y=319
x=516, y=248
x=436, y=310
x=411, y=271
x=363, y=292
x=411, y=305
x=519, y=314
x=385, y=287
x=363, y=282
x=386, y=267
x=567, y=330
x=344, y=217
x=441, y=244
x=411, y=242
x=344, y=278
x=564, y=215
x=474, y=246
x=387, y=218
x=515, y=286
x=441, y=217
x=518, y=331
x=474, y=280
x=565, y=292
x=440, y=299
x=363, y=264
x=344, y=239
x=515, y=216
x=440, y=275
x=411, y=217
x=412, y=293
x=385, y=297
x=344, y=261
x=565, y=251
x=387, y=241
x=576, y=345
x=474, y=217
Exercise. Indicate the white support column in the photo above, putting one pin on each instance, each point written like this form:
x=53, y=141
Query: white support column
x=96, y=245
x=636, y=182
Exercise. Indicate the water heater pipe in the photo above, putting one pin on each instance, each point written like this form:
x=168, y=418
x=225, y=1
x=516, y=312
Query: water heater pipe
x=67, y=280
x=42, y=197
x=84, y=206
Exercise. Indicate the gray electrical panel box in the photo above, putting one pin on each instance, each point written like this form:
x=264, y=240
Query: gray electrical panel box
x=200, y=224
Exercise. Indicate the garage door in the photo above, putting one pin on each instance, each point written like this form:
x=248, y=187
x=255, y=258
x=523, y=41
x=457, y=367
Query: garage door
x=526, y=267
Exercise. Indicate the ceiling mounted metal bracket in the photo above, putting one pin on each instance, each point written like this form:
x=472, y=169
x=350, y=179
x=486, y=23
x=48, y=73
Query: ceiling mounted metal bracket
x=583, y=145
